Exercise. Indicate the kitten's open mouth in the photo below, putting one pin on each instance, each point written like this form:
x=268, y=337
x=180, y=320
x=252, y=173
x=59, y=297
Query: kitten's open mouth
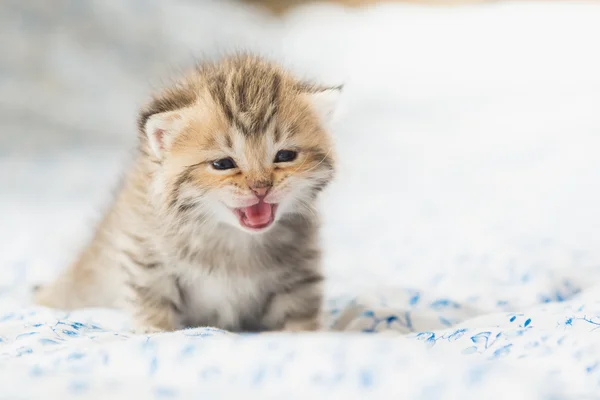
x=258, y=216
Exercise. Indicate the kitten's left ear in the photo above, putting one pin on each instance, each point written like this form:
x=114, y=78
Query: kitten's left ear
x=325, y=102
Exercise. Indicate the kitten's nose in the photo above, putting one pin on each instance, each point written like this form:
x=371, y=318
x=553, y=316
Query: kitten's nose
x=260, y=186
x=260, y=191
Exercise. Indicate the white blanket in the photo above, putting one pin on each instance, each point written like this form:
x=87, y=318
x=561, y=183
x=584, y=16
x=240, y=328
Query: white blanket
x=461, y=237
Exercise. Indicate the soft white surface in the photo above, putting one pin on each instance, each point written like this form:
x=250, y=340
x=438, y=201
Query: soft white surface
x=465, y=211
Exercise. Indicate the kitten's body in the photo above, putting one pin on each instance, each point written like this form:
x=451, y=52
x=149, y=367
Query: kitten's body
x=171, y=248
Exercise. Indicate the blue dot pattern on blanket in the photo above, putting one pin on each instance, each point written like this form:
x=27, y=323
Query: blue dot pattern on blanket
x=74, y=353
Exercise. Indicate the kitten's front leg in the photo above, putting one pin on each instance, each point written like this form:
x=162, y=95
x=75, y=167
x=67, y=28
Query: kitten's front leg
x=153, y=313
x=302, y=324
x=298, y=308
x=155, y=320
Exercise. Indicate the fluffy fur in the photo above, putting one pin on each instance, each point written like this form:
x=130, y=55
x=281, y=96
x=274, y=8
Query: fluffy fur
x=171, y=250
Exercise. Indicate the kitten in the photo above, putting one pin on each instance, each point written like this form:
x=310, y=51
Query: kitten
x=215, y=223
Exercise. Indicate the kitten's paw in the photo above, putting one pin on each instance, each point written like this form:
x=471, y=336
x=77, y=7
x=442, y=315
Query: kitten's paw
x=302, y=325
x=144, y=329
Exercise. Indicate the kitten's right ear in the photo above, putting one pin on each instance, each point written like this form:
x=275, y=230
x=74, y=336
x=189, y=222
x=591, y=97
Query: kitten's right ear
x=324, y=102
x=162, y=128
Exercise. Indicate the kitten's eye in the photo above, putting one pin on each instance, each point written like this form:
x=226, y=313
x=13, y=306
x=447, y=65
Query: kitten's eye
x=285, y=156
x=224, y=163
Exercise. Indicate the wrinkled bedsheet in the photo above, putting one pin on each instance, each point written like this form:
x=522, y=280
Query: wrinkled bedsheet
x=462, y=234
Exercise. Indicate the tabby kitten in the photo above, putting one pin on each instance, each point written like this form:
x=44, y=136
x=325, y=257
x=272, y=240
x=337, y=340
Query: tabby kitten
x=215, y=223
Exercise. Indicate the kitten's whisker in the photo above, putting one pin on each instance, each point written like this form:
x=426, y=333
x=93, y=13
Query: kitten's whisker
x=207, y=217
x=307, y=207
x=300, y=166
x=320, y=162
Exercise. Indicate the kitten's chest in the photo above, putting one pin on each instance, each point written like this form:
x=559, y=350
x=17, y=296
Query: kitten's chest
x=224, y=299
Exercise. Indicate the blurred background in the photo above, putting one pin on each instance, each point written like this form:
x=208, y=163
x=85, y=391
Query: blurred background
x=467, y=137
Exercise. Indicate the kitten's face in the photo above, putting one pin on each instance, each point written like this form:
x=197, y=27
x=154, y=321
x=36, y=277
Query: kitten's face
x=249, y=174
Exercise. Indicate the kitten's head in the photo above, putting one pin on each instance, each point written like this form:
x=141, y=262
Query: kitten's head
x=241, y=142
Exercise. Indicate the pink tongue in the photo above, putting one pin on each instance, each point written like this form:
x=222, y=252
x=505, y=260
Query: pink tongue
x=258, y=214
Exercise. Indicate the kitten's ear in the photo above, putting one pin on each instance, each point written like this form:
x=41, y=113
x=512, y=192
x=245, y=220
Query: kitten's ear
x=162, y=128
x=325, y=102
